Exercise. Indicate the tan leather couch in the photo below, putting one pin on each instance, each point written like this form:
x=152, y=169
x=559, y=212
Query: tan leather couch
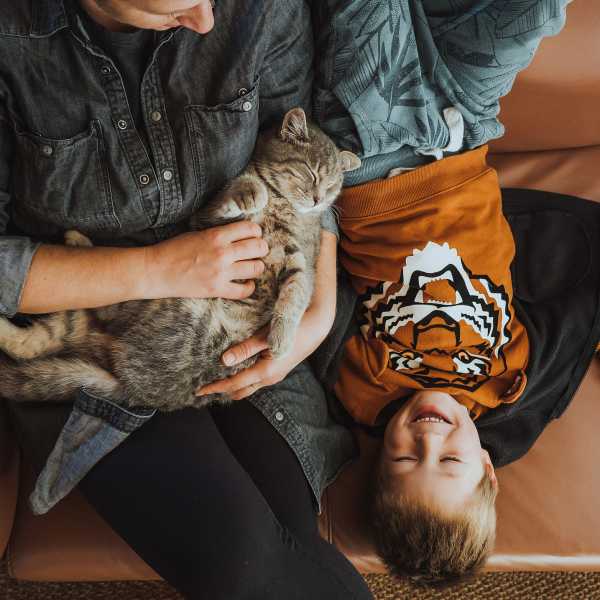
x=548, y=517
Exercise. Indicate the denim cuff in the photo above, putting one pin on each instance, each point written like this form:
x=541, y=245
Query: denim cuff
x=94, y=428
x=16, y=254
x=123, y=419
x=329, y=222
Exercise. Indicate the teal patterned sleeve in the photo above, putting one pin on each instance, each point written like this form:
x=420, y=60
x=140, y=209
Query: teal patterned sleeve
x=387, y=70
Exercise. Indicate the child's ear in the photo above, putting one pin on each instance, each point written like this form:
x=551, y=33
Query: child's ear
x=295, y=127
x=350, y=161
x=489, y=468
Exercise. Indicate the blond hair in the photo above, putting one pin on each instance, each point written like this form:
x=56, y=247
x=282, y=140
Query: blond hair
x=421, y=543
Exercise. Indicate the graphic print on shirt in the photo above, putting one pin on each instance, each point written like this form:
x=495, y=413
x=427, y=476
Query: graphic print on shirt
x=444, y=326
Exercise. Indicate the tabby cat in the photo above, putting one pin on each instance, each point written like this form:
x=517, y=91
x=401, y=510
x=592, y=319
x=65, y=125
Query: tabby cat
x=156, y=353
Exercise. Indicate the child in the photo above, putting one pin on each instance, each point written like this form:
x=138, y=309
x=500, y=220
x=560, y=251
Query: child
x=441, y=343
x=429, y=253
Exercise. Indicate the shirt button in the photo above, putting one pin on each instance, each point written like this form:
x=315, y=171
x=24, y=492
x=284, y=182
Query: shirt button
x=247, y=106
x=122, y=124
x=105, y=70
x=167, y=175
x=242, y=92
x=156, y=116
x=279, y=416
x=144, y=179
x=47, y=150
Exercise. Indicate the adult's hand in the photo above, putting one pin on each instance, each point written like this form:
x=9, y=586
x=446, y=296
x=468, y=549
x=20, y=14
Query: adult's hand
x=220, y=262
x=313, y=329
x=267, y=370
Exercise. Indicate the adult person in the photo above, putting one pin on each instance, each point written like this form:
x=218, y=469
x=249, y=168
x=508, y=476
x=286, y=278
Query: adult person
x=117, y=118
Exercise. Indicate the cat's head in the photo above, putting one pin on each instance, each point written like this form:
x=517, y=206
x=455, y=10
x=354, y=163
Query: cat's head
x=309, y=168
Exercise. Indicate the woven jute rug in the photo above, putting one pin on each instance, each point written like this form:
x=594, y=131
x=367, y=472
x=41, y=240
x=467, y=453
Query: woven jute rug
x=492, y=586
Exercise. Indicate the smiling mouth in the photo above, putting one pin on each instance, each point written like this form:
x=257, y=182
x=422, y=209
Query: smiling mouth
x=431, y=416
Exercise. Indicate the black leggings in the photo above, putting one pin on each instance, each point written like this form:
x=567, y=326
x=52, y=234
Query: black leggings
x=217, y=503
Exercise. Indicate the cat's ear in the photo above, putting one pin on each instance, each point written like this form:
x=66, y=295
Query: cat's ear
x=295, y=127
x=350, y=161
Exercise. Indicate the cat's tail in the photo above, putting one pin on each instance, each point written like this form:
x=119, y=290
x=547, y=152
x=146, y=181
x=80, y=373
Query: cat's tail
x=53, y=379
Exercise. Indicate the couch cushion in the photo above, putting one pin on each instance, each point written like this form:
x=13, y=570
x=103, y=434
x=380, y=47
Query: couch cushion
x=573, y=172
x=70, y=543
x=548, y=516
x=554, y=103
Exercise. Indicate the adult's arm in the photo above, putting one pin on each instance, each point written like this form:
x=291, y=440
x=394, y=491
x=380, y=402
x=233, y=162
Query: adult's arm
x=39, y=278
x=201, y=264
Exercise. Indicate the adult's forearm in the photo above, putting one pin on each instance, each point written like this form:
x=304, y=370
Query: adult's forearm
x=63, y=278
x=325, y=294
x=199, y=264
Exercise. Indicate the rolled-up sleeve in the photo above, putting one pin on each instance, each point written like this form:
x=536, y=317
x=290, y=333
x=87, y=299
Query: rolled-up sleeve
x=329, y=223
x=16, y=253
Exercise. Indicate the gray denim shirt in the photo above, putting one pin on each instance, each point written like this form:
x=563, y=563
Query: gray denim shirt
x=71, y=157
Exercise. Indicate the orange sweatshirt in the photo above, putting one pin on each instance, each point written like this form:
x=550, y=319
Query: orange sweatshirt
x=429, y=252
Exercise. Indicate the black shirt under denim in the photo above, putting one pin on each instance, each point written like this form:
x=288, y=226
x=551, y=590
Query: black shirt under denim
x=131, y=51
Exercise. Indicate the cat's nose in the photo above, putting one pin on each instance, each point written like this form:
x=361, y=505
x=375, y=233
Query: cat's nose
x=316, y=199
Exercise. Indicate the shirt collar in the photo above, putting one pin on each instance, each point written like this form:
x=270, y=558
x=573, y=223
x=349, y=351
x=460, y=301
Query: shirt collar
x=48, y=17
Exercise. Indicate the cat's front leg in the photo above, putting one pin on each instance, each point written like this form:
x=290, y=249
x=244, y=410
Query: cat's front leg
x=244, y=197
x=295, y=292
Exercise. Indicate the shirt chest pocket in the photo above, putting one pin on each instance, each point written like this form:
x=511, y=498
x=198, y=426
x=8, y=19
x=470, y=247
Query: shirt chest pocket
x=222, y=140
x=65, y=181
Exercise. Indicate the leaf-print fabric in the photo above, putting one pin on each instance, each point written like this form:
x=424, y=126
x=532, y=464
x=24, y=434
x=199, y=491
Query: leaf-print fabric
x=386, y=70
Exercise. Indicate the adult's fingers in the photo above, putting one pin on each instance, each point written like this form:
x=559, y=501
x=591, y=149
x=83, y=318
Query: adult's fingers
x=247, y=269
x=239, y=291
x=241, y=380
x=241, y=230
x=245, y=392
x=249, y=249
x=244, y=350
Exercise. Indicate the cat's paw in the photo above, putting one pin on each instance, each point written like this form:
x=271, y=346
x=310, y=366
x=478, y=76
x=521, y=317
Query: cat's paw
x=281, y=337
x=74, y=238
x=245, y=198
x=228, y=209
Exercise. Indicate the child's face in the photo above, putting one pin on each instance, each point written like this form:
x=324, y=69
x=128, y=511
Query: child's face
x=432, y=452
